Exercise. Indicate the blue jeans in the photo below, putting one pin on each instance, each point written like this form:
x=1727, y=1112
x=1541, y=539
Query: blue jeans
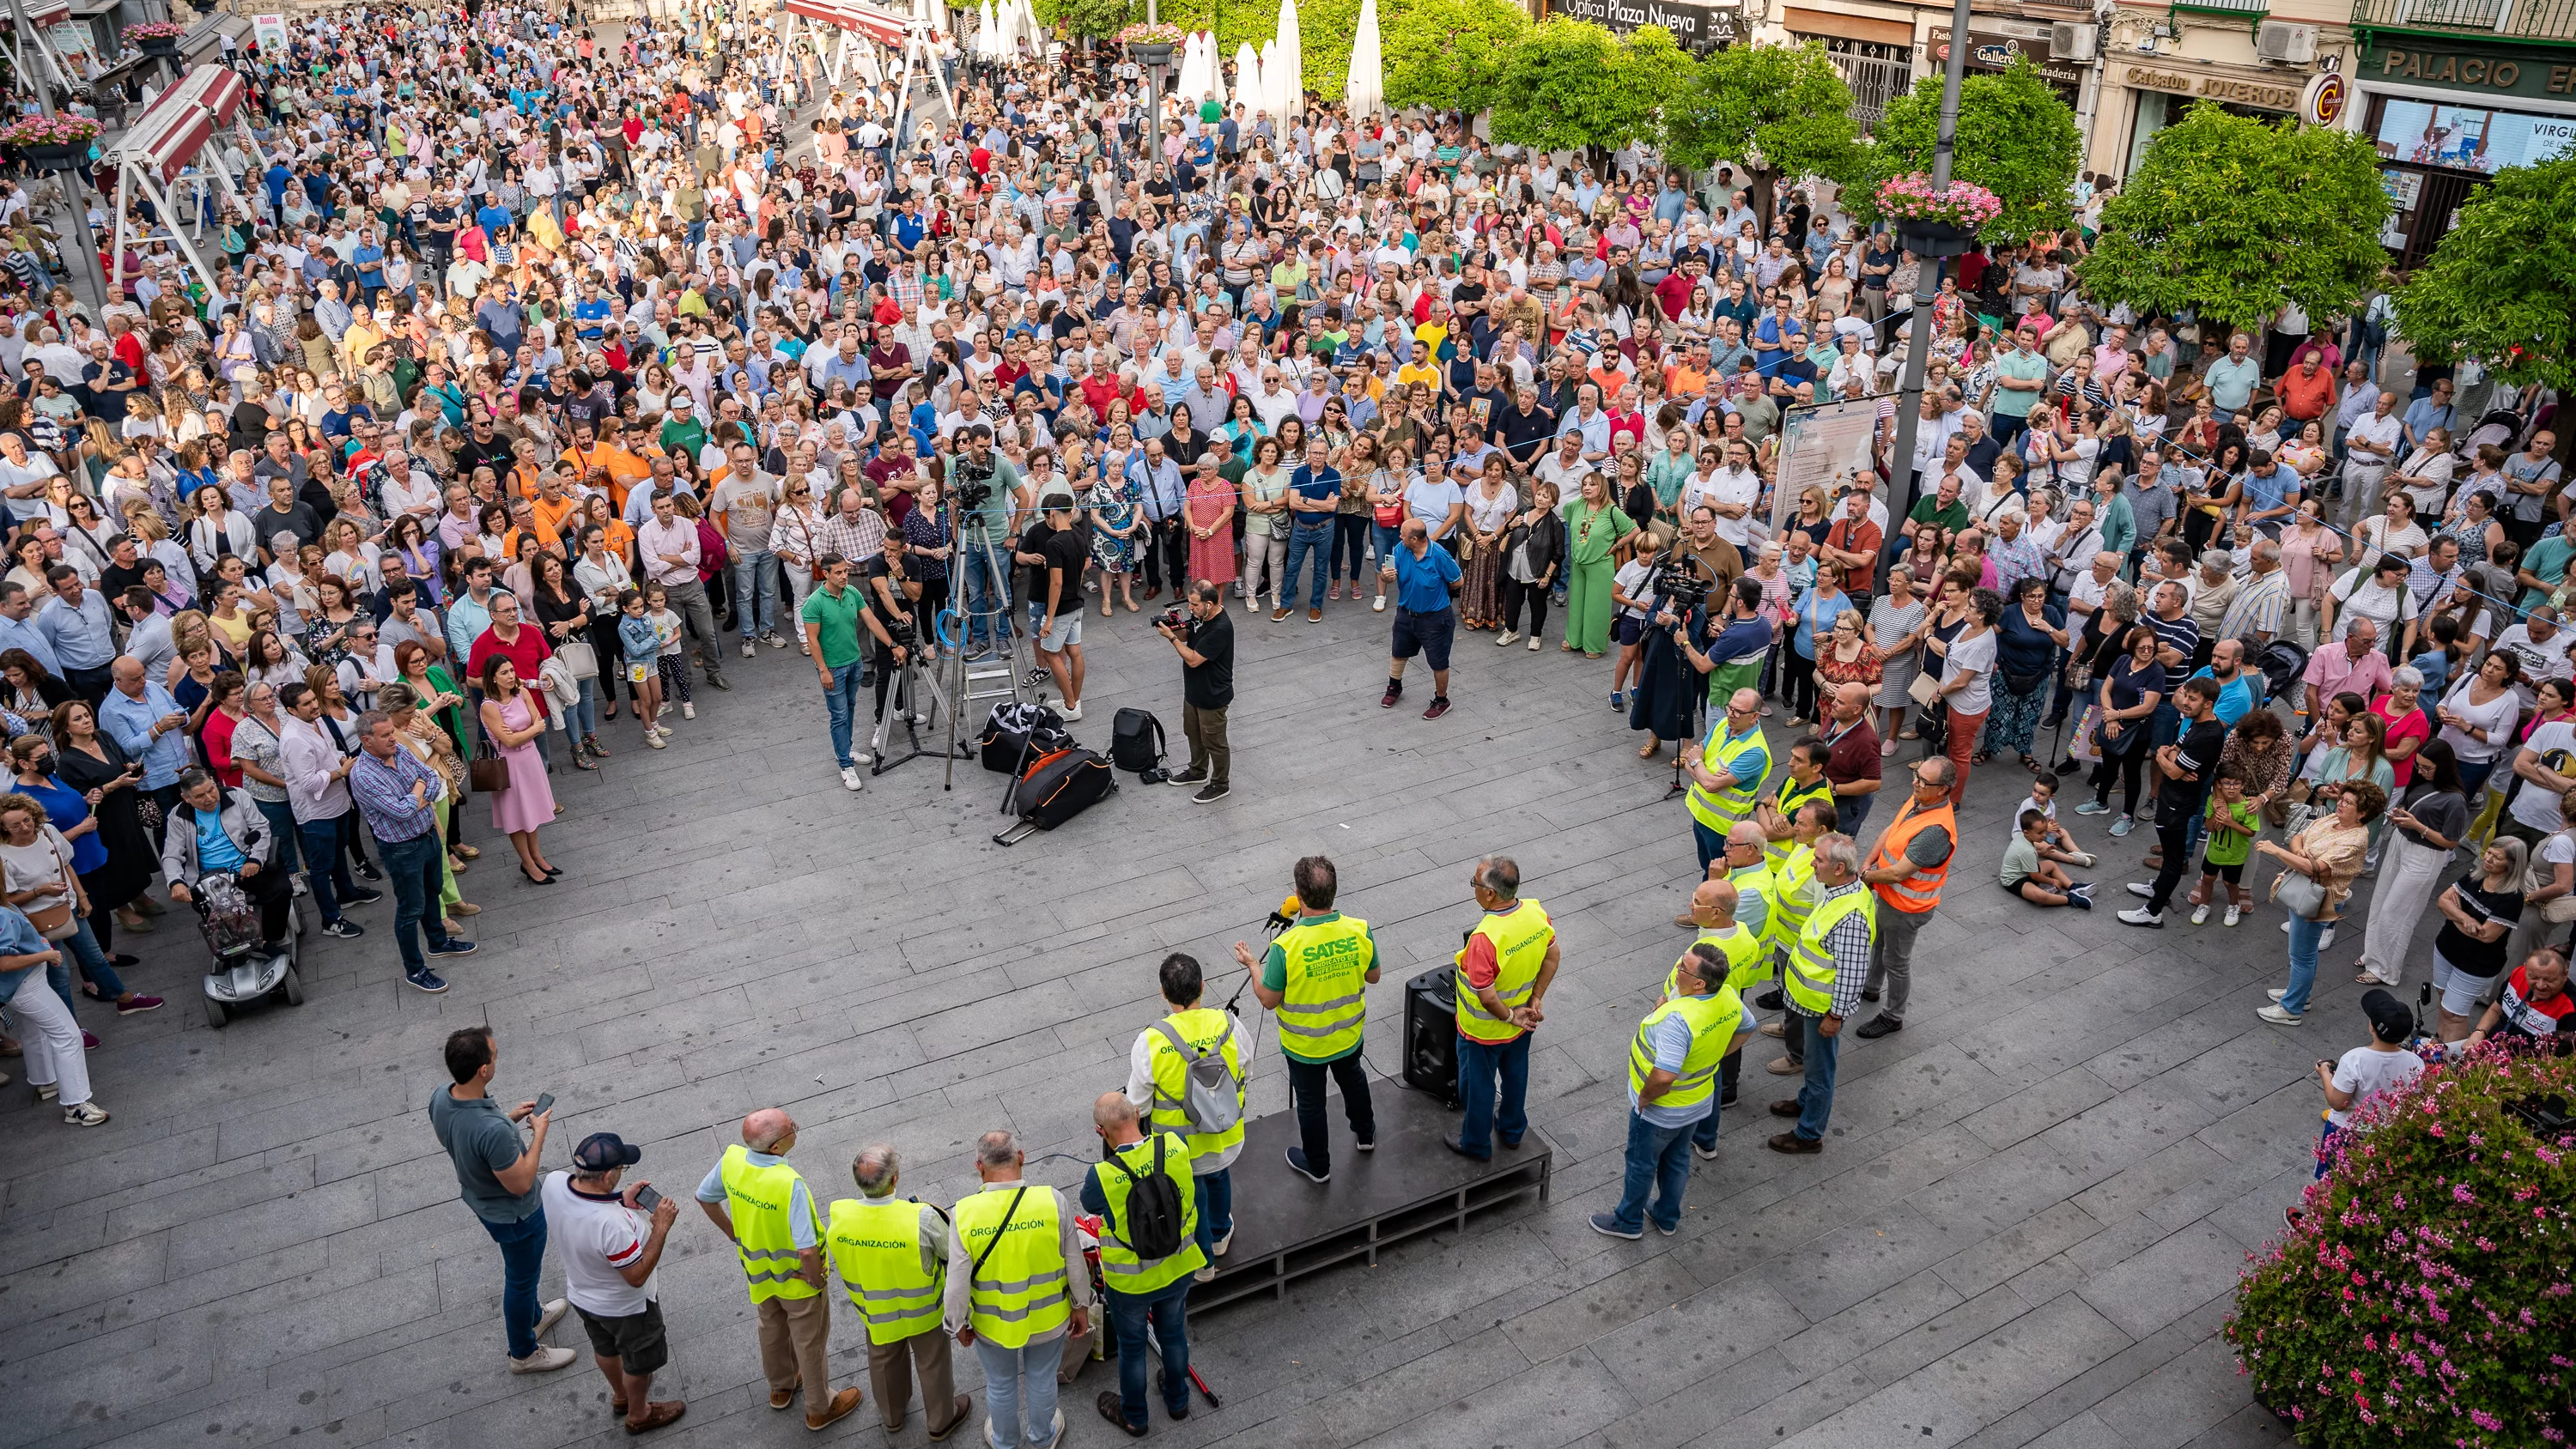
x=1385, y=537
x=1816, y=1095
x=1658, y=1161
x=1850, y=811
x=2304, y=936
x=282, y=819
x=1710, y=843
x=755, y=591
x=523, y=1256
x=585, y=711
x=1304, y=542
x=985, y=595
x=82, y=946
x=1128, y=1315
x=1019, y=1389
x=1215, y=1194
x=327, y=868
x=842, y=700
x=1478, y=1062
x=416, y=872
x=1704, y=1131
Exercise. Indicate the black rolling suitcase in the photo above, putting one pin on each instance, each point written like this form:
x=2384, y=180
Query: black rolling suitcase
x=1056, y=788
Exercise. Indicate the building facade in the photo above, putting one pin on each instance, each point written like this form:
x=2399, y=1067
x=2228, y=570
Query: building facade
x=2453, y=91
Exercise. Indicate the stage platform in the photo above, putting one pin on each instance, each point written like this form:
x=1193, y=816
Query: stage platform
x=1286, y=1227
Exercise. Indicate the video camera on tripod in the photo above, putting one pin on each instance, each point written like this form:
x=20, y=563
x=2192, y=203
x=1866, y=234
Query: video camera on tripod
x=1681, y=577
x=970, y=484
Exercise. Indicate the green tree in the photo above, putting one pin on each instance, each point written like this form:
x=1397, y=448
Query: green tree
x=1570, y=85
x=1786, y=105
x=2502, y=285
x=2237, y=217
x=1088, y=19
x=1446, y=53
x=2015, y=138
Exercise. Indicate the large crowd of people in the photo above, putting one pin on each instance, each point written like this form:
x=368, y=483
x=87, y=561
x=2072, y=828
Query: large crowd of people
x=554, y=364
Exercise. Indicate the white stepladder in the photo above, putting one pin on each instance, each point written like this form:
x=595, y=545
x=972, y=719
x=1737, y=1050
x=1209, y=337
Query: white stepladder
x=158, y=159
x=862, y=29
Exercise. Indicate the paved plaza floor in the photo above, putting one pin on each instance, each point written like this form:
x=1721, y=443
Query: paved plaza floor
x=2024, y=1230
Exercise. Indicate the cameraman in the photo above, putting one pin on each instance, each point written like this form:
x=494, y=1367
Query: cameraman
x=1205, y=642
x=1672, y=676
x=893, y=582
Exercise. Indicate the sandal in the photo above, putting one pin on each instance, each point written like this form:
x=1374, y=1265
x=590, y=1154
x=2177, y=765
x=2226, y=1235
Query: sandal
x=2030, y=764
x=470, y=852
x=1907, y=735
x=1649, y=750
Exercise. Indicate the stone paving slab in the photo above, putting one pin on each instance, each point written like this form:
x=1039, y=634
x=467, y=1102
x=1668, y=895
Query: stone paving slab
x=2023, y=1231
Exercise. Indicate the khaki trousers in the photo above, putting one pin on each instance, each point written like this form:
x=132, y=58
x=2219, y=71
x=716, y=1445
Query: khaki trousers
x=795, y=1333
x=891, y=1367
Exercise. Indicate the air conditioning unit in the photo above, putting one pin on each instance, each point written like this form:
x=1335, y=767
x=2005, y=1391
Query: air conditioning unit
x=2283, y=43
x=2074, y=40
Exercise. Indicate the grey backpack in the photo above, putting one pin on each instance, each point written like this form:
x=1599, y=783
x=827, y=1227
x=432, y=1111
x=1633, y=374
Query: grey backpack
x=1211, y=1096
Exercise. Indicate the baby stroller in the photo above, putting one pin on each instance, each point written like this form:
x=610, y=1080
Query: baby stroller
x=244, y=968
x=2281, y=664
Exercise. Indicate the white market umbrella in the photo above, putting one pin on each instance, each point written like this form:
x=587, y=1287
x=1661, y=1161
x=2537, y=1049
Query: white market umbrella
x=1271, y=70
x=1291, y=80
x=1211, y=68
x=1192, y=55
x=1365, y=91
x=1030, y=32
x=1247, y=77
x=987, y=39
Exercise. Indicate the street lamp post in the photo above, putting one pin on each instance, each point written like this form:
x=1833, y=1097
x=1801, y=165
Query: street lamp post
x=1927, y=286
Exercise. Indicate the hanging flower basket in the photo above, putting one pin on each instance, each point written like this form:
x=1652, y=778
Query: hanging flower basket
x=51, y=143
x=1936, y=223
x=1151, y=44
x=155, y=37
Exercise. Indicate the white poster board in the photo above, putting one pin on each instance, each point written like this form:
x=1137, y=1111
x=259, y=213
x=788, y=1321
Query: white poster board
x=1824, y=446
x=268, y=32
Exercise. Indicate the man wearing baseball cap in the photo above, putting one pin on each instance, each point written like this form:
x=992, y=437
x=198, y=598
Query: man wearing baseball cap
x=610, y=1234
x=2366, y=1071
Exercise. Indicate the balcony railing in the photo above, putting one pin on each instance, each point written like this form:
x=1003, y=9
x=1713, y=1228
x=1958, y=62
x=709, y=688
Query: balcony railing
x=2492, y=19
x=2251, y=9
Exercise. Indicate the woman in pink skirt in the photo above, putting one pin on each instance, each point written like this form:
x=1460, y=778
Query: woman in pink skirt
x=1211, y=524
x=511, y=722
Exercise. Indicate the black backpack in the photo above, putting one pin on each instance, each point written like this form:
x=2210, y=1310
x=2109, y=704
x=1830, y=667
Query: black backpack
x=1152, y=1223
x=1128, y=747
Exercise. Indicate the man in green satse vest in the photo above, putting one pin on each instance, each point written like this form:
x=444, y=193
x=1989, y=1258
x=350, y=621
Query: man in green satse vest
x=1143, y=1289
x=1315, y=978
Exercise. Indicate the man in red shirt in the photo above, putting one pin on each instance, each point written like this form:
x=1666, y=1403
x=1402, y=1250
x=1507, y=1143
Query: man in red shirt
x=2307, y=390
x=1673, y=293
x=2535, y=1006
x=524, y=645
x=1503, y=976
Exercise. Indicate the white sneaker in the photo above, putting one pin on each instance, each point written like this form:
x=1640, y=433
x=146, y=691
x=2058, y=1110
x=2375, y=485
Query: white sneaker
x=750, y=650
x=1070, y=711
x=1224, y=1243
x=687, y=711
x=91, y=1114
x=2085, y=859
x=46, y=1091
x=921, y=717
x=553, y=1313
x=850, y=778
x=2234, y=914
x=2326, y=941
x=861, y=757
x=657, y=739
x=2277, y=992
x=1380, y=606
x=1510, y=638
x=2285, y=928
x=2200, y=915
x=544, y=1361
x=2275, y=1015
x=1253, y=607
x=1533, y=644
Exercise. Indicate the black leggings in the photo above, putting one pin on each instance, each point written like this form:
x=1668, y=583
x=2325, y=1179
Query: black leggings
x=1801, y=688
x=1515, y=594
x=2128, y=769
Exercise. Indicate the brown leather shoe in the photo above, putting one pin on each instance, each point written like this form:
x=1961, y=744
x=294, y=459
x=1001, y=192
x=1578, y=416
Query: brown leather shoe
x=843, y=1403
x=1785, y=1107
x=656, y=1415
x=964, y=1404
x=781, y=1398
x=1314, y=616
x=1797, y=1146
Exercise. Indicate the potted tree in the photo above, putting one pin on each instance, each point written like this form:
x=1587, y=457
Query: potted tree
x=2424, y=1293
x=51, y=143
x=156, y=38
x=1942, y=223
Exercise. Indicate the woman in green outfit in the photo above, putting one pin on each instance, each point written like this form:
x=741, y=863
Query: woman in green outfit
x=1594, y=527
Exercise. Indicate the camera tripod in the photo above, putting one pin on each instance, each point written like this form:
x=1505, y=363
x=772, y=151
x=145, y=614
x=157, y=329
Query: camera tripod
x=912, y=700
x=999, y=675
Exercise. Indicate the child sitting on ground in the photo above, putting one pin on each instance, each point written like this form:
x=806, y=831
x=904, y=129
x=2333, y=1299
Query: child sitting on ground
x=2040, y=882
x=2055, y=844
x=2234, y=821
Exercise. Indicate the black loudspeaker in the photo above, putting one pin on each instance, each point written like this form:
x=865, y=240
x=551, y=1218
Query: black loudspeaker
x=1431, y=1034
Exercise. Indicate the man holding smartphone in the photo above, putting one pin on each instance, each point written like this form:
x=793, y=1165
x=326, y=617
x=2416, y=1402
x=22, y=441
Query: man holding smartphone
x=612, y=1234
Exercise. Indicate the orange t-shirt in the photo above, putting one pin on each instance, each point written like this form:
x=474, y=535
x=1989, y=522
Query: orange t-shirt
x=2307, y=398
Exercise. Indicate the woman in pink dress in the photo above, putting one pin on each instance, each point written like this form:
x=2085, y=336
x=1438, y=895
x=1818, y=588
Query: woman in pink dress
x=1211, y=525
x=511, y=721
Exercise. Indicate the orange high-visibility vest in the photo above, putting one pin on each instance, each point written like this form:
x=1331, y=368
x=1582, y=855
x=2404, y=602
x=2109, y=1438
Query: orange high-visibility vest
x=1920, y=889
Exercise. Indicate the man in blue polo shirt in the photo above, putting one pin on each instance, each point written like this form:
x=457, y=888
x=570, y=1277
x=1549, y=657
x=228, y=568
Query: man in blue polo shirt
x=1424, y=578
x=907, y=227
x=591, y=313
x=1314, y=496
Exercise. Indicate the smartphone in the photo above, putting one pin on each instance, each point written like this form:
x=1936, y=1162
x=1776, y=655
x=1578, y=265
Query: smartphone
x=545, y=1104
x=646, y=1198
